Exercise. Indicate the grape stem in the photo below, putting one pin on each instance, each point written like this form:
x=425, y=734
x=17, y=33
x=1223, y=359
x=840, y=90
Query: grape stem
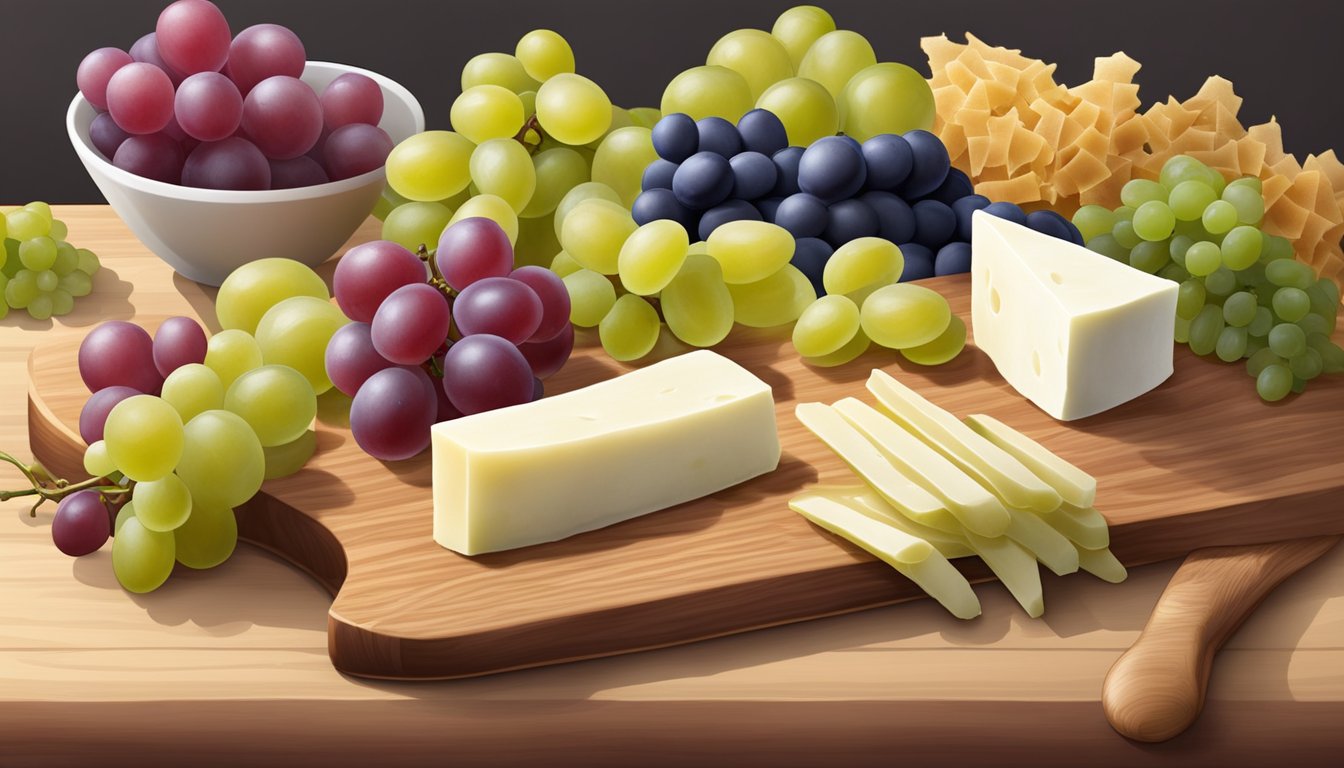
x=46, y=488
x=531, y=126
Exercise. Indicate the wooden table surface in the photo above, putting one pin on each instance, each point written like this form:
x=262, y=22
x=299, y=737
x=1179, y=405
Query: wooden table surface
x=231, y=664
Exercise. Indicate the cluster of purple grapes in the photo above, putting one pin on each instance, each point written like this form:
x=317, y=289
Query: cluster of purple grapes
x=464, y=334
x=190, y=104
x=899, y=187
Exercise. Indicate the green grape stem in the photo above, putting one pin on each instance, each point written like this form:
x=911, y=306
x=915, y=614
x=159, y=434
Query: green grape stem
x=46, y=488
x=531, y=126
x=436, y=279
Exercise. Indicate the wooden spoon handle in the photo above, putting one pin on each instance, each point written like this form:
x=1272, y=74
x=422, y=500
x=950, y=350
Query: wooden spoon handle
x=1156, y=689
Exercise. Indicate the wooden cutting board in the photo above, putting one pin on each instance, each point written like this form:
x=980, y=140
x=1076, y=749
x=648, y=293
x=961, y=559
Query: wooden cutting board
x=1198, y=462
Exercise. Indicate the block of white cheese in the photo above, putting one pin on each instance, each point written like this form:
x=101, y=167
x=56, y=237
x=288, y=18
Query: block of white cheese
x=1073, y=331
x=650, y=439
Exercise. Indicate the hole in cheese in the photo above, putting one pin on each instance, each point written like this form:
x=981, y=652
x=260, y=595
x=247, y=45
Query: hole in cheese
x=1036, y=362
x=994, y=301
x=1057, y=278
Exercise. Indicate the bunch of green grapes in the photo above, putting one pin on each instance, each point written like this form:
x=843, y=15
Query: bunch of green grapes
x=39, y=271
x=526, y=129
x=1242, y=293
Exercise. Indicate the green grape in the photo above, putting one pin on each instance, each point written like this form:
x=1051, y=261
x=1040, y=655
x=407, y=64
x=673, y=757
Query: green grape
x=1249, y=181
x=772, y=301
x=1314, y=323
x=861, y=263
x=1254, y=344
x=88, y=261
x=497, y=69
x=944, y=348
x=573, y=109
x=67, y=259
x=1274, y=382
x=1307, y=365
x=591, y=296
x=21, y=289
x=558, y=170
x=1174, y=272
x=1181, y=332
x=1261, y=359
x=11, y=263
x=799, y=27
x=621, y=159
x=222, y=460
x=1241, y=247
x=333, y=408
x=696, y=303
x=1275, y=248
x=1291, y=304
x=1330, y=291
x=126, y=512
x=388, y=200
x=564, y=265
x=1239, y=309
x=1093, y=220
x=1179, y=168
x=41, y=209
x=143, y=435
x=230, y=354
x=1149, y=256
x=652, y=256
x=1288, y=273
x=710, y=91
x=430, y=166
x=1247, y=201
x=1231, y=344
x=59, y=231
x=1178, y=246
x=1190, y=198
x=806, y=108
x=1221, y=283
x=1203, y=258
x=295, y=333
x=1320, y=298
x=62, y=303
x=485, y=112
x=207, y=538
x=1332, y=356
x=1136, y=192
x=1287, y=340
x=141, y=559
x=163, y=504
x=502, y=167
x=835, y=57
x=630, y=329
x=275, y=400
x=284, y=460
x=96, y=461
x=193, y=388
x=1190, y=297
x=1205, y=328
x=1219, y=217
x=904, y=315
x=38, y=253
x=594, y=232
x=1106, y=245
x=23, y=224
x=252, y=289
x=492, y=207
x=1261, y=324
x=1124, y=213
x=544, y=54
x=41, y=307
x=885, y=98
x=537, y=244
x=646, y=117
x=760, y=58
x=1124, y=234
x=620, y=118
x=1153, y=221
x=850, y=351
x=47, y=281
x=585, y=191
x=749, y=251
x=827, y=325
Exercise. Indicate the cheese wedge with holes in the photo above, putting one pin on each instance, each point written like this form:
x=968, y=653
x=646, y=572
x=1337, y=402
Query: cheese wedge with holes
x=650, y=439
x=1073, y=331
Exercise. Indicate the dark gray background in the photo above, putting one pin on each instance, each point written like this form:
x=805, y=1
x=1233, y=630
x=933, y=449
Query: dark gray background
x=1283, y=55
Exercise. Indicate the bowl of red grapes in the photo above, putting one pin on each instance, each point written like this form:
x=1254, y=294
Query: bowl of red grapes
x=219, y=146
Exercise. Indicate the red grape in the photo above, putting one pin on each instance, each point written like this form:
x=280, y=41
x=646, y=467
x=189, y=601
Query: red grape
x=282, y=116
x=447, y=411
x=81, y=524
x=391, y=414
x=354, y=149
x=94, y=72
x=472, y=249
x=302, y=171
x=351, y=98
x=500, y=306
x=262, y=51
x=146, y=49
x=208, y=106
x=119, y=353
x=233, y=163
x=153, y=156
x=178, y=342
x=140, y=98
x=93, y=416
x=193, y=36
x=485, y=372
x=547, y=357
x=411, y=324
x=554, y=299
x=106, y=135
x=368, y=273
x=351, y=358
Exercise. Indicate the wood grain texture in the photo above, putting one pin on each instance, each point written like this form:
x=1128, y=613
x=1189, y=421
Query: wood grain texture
x=1200, y=461
x=1157, y=688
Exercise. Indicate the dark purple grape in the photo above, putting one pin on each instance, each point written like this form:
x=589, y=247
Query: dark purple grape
x=146, y=49
x=118, y=353
x=392, y=412
x=140, y=98
x=935, y=224
x=81, y=524
x=769, y=207
x=153, y=156
x=889, y=160
x=538, y=389
x=93, y=416
x=208, y=106
x=350, y=99
x=803, y=215
x=675, y=137
x=472, y=249
x=918, y=262
x=351, y=358
x=262, y=51
x=484, y=372
x=354, y=149
x=832, y=169
x=106, y=135
x=95, y=70
x=930, y=165
x=754, y=175
x=547, y=357
x=554, y=297
x=728, y=210
x=661, y=204
x=193, y=36
x=952, y=259
x=297, y=172
x=1008, y=212
x=718, y=136
x=786, y=162
x=283, y=117
x=762, y=132
x=850, y=220
x=810, y=255
x=956, y=186
x=1052, y=224
x=178, y=342
x=498, y=306
x=233, y=163
x=963, y=208
x=411, y=324
x=895, y=220
x=703, y=181
x=658, y=175
x=368, y=273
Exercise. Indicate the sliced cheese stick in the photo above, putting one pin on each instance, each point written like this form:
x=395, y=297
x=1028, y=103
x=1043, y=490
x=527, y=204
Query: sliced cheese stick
x=986, y=462
x=869, y=502
x=914, y=558
x=1015, y=567
x=1102, y=564
x=1071, y=483
x=1083, y=526
x=866, y=461
x=972, y=505
x=1051, y=547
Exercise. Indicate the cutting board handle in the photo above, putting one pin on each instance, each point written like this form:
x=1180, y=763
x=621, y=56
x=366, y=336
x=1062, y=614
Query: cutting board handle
x=1156, y=689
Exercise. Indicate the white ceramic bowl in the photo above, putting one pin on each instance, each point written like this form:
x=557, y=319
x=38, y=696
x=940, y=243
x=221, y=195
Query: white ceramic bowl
x=207, y=233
